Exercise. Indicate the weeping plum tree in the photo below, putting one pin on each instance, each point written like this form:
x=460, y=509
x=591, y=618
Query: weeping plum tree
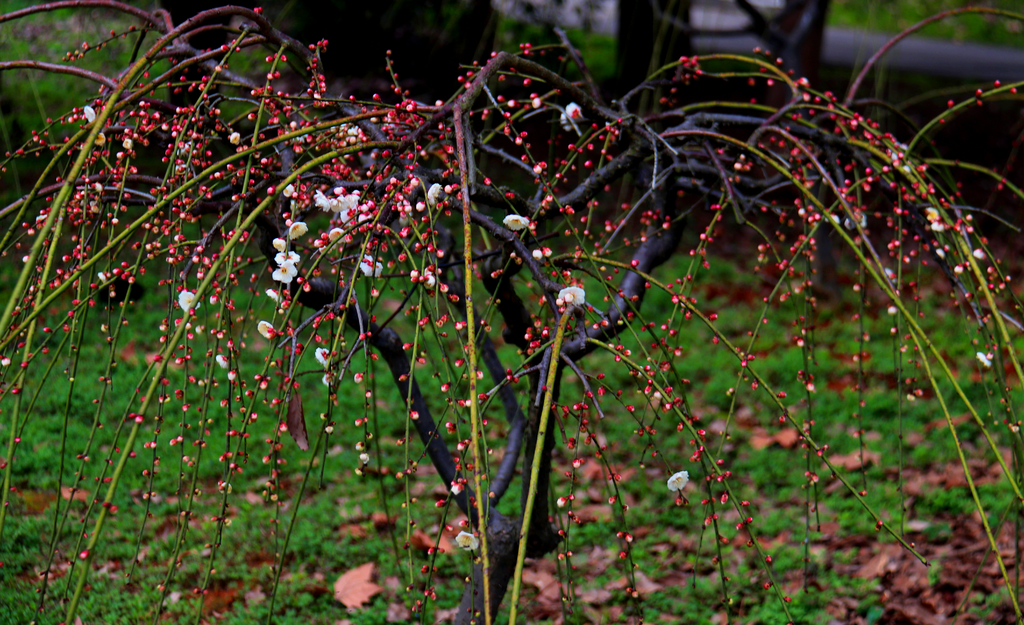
x=493, y=255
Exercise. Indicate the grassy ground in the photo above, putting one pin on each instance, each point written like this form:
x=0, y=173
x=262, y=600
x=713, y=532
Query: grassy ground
x=892, y=18
x=823, y=558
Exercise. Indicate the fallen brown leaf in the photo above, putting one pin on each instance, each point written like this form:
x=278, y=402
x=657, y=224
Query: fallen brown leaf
x=36, y=501
x=852, y=460
x=355, y=530
x=397, y=613
x=78, y=494
x=356, y=587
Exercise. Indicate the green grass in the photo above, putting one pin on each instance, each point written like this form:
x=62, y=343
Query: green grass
x=976, y=28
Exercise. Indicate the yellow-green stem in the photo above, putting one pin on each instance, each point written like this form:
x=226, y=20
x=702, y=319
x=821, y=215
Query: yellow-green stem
x=474, y=415
x=542, y=427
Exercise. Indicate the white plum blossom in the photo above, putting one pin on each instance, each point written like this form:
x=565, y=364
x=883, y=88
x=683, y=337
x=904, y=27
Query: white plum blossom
x=370, y=269
x=984, y=360
x=345, y=205
x=516, y=222
x=428, y=278
x=266, y=329
x=456, y=488
x=285, y=273
x=538, y=255
x=322, y=201
x=287, y=258
x=979, y=254
x=573, y=295
x=272, y=294
x=467, y=541
x=234, y=138
x=127, y=143
x=572, y=113
x=678, y=480
x=280, y=244
x=222, y=360
x=289, y=190
x=323, y=355
x=434, y=194
x=335, y=234
x=364, y=458
x=90, y=114
x=187, y=301
x=296, y=230
x=102, y=275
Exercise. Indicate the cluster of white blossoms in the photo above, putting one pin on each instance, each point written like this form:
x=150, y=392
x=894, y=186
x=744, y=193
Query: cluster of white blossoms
x=347, y=207
x=187, y=301
x=467, y=541
x=286, y=270
x=516, y=222
x=678, y=481
x=287, y=260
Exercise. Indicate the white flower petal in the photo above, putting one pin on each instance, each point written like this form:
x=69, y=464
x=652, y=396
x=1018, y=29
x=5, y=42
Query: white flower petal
x=434, y=194
x=266, y=329
x=90, y=114
x=467, y=541
x=287, y=258
x=285, y=273
x=516, y=222
x=573, y=295
x=187, y=301
x=280, y=244
x=370, y=269
x=322, y=201
x=678, y=480
x=296, y=230
x=222, y=360
x=323, y=355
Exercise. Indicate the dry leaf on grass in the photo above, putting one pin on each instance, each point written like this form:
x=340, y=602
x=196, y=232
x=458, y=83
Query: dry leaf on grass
x=852, y=461
x=78, y=494
x=786, y=438
x=397, y=613
x=356, y=587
